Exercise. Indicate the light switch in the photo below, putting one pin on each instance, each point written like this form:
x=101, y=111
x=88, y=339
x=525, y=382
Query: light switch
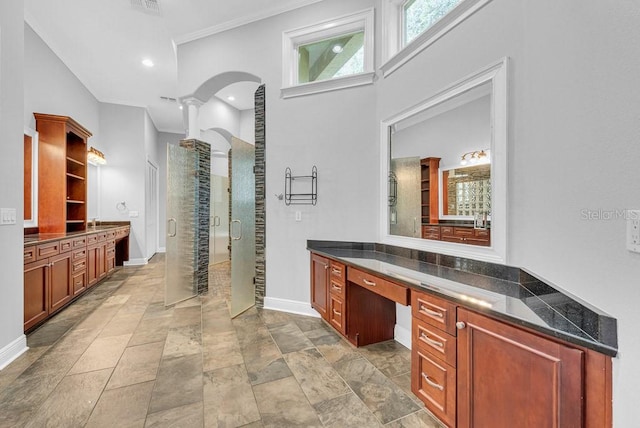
x=633, y=230
x=133, y=214
x=298, y=215
x=7, y=216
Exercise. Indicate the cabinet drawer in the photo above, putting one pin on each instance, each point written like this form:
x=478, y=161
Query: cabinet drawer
x=79, y=282
x=102, y=236
x=337, y=271
x=30, y=254
x=66, y=245
x=79, y=242
x=92, y=239
x=111, y=252
x=79, y=266
x=434, y=341
x=111, y=243
x=111, y=234
x=431, y=232
x=336, y=314
x=384, y=288
x=434, y=311
x=336, y=288
x=434, y=383
x=79, y=255
x=47, y=250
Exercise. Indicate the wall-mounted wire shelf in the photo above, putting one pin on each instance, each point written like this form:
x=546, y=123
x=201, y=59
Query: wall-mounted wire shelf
x=305, y=189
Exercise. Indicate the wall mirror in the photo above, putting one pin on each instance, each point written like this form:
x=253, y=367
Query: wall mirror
x=30, y=178
x=445, y=162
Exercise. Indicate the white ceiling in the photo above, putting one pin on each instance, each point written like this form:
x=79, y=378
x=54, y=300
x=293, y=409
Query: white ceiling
x=103, y=42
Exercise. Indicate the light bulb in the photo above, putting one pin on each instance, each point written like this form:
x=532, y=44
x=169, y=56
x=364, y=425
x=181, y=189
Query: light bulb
x=337, y=49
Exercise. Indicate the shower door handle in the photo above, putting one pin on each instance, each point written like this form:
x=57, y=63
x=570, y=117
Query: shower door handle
x=239, y=237
x=175, y=227
x=216, y=221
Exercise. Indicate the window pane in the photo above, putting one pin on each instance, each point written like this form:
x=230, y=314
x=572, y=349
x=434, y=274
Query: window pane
x=331, y=58
x=422, y=14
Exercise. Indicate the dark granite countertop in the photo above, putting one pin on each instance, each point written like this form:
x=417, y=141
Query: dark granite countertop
x=504, y=292
x=42, y=238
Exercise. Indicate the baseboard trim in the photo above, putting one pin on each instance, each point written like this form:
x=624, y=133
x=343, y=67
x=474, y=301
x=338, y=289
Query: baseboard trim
x=291, y=306
x=162, y=249
x=136, y=262
x=13, y=350
x=402, y=335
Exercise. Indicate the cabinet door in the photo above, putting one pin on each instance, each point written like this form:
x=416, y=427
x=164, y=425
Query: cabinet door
x=320, y=284
x=61, y=283
x=508, y=377
x=36, y=293
x=101, y=261
x=92, y=265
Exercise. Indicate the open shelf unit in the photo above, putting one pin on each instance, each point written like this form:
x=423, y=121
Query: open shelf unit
x=429, y=190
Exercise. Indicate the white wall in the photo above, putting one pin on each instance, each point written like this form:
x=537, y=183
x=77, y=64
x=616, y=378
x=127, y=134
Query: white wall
x=573, y=145
x=123, y=177
x=335, y=131
x=51, y=88
x=12, y=341
x=218, y=114
x=248, y=126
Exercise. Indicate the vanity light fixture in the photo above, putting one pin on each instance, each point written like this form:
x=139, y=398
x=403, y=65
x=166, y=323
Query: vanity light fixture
x=476, y=157
x=95, y=157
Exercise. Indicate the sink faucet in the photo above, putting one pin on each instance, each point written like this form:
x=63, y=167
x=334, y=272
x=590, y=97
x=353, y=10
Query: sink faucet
x=93, y=222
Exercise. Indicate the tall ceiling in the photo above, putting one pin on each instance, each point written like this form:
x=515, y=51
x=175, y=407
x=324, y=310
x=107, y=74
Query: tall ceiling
x=103, y=42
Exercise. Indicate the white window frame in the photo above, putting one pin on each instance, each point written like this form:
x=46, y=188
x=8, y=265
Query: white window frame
x=292, y=39
x=394, y=53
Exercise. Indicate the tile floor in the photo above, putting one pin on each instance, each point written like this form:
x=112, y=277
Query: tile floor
x=118, y=358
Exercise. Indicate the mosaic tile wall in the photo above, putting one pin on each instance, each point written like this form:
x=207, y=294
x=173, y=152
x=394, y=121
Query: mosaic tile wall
x=203, y=192
x=261, y=219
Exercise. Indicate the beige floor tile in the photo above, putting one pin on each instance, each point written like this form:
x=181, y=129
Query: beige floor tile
x=123, y=407
x=220, y=350
x=228, y=398
x=104, y=352
x=71, y=403
x=283, y=404
x=187, y=416
x=137, y=364
x=122, y=323
x=178, y=383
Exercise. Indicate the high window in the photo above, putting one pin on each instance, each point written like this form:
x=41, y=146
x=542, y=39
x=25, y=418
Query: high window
x=419, y=15
x=410, y=26
x=330, y=55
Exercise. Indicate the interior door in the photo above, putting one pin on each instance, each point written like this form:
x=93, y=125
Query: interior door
x=408, y=221
x=242, y=228
x=151, y=209
x=219, y=229
x=181, y=225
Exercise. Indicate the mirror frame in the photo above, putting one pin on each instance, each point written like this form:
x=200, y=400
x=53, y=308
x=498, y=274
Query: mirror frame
x=441, y=193
x=497, y=75
x=33, y=222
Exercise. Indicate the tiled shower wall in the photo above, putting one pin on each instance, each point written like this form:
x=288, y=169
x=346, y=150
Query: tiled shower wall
x=261, y=220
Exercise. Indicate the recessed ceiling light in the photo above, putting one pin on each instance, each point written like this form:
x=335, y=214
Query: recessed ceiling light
x=231, y=98
x=180, y=106
x=147, y=62
x=337, y=49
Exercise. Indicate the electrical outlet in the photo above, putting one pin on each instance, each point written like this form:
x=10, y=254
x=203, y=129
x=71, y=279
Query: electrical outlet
x=633, y=230
x=7, y=216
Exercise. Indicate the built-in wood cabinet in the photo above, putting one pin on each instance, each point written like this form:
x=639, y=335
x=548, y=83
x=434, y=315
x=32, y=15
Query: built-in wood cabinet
x=320, y=285
x=468, y=368
x=62, y=174
x=429, y=189
x=460, y=234
x=58, y=271
x=508, y=377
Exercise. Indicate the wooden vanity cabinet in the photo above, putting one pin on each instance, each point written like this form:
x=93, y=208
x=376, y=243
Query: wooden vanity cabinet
x=96, y=258
x=320, y=285
x=337, y=294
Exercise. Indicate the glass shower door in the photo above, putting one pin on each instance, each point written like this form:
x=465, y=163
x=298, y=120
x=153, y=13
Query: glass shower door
x=408, y=220
x=219, y=231
x=180, y=278
x=243, y=218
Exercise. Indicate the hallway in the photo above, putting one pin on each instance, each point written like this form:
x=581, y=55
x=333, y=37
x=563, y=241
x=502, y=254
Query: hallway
x=118, y=358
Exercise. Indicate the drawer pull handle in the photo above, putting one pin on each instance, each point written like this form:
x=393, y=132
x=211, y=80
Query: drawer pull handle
x=430, y=341
x=423, y=308
x=432, y=383
x=337, y=313
x=335, y=287
x=369, y=283
x=336, y=271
